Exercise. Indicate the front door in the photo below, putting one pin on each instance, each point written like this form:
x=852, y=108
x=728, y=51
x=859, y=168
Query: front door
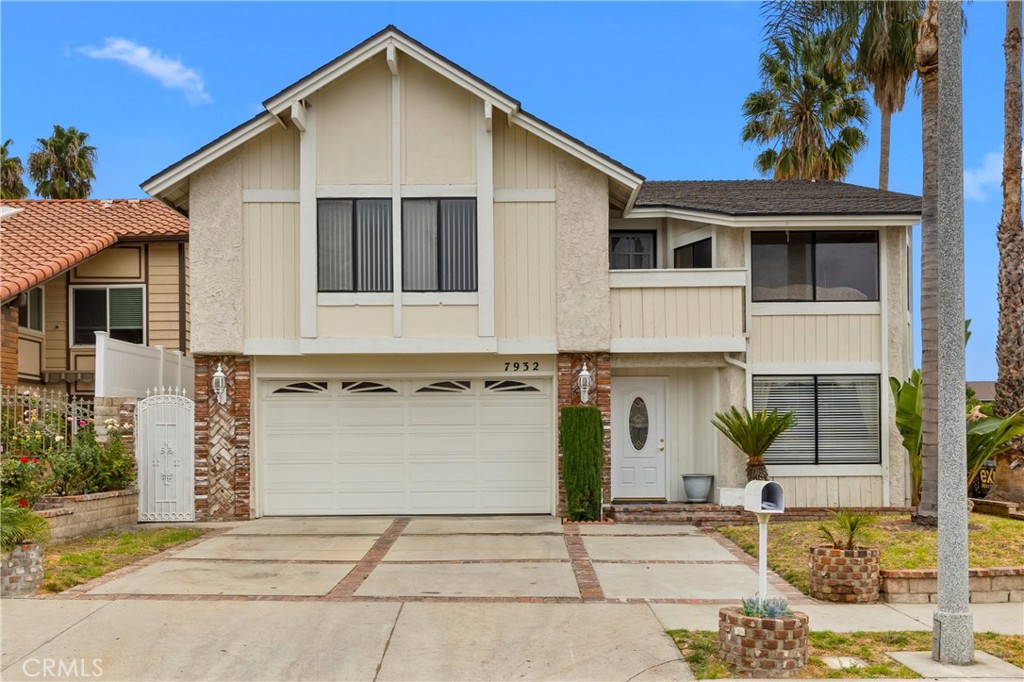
x=638, y=438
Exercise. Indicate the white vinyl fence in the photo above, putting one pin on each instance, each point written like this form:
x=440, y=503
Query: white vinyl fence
x=127, y=370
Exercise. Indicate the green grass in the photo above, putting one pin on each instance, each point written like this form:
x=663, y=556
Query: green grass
x=73, y=562
x=994, y=542
x=700, y=649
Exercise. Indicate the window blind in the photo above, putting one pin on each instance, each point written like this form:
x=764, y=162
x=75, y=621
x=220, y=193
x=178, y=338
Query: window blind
x=848, y=429
x=373, y=245
x=334, y=246
x=789, y=394
x=457, y=245
x=419, y=245
x=439, y=245
x=126, y=308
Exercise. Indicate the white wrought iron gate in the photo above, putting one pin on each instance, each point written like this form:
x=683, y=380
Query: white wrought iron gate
x=165, y=448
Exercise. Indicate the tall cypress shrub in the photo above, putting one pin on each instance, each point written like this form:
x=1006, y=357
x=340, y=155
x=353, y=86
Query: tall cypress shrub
x=582, y=441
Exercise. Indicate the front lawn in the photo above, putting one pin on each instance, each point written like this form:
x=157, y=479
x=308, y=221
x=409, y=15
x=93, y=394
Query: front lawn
x=73, y=562
x=700, y=649
x=994, y=541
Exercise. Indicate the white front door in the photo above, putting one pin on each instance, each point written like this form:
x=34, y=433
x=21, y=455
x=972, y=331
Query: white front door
x=638, y=438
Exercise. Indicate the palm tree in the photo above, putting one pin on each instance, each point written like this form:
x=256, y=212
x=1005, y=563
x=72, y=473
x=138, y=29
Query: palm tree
x=1009, y=479
x=11, y=170
x=62, y=165
x=809, y=112
x=753, y=434
x=878, y=36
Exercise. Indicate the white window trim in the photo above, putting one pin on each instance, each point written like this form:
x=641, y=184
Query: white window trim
x=816, y=308
x=799, y=470
x=42, y=309
x=107, y=287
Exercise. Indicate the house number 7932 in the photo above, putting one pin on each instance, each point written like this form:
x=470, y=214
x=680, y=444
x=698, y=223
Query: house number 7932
x=522, y=366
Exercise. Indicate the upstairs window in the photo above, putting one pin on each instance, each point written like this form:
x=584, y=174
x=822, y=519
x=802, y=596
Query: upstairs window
x=117, y=310
x=354, y=245
x=695, y=255
x=632, y=250
x=30, y=315
x=814, y=266
x=439, y=245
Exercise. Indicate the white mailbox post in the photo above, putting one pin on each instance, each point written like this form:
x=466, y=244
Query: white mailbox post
x=763, y=498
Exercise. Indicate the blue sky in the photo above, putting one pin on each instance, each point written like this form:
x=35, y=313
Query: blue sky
x=657, y=86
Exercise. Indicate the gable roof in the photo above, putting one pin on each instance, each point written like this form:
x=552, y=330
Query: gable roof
x=43, y=238
x=775, y=198
x=167, y=183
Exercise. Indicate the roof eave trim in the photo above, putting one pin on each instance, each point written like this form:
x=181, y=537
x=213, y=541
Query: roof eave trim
x=163, y=181
x=808, y=220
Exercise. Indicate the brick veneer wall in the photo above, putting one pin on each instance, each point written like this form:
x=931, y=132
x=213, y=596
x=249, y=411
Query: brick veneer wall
x=600, y=367
x=8, y=345
x=987, y=585
x=844, y=575
x=762, y=647
x=222, y=439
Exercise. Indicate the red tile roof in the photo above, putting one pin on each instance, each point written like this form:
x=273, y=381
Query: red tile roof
x=40, y=239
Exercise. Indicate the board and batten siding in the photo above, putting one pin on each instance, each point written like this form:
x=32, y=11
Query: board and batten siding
x=521, y=160
x=55, y=315
x=439, y=128
x=525, y=243
x=270, y=239
x=831, y=491
x=163, y=297
x=677, y=312
x=815, y=338
x=271, y=161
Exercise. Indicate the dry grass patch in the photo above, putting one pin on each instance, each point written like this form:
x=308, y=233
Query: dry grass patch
x=994, y=541
x=700, y=649
x=73, y=562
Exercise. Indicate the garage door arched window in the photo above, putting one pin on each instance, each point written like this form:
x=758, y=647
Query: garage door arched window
x=365, y=387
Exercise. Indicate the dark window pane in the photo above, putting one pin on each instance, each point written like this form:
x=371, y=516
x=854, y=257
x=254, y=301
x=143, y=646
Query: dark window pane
x=90, y=309
x=846, y=266
x=456, y=245
x=780, y=264
x=334, y=245
x=30, y=315
x=695, y=255
x=631, y=250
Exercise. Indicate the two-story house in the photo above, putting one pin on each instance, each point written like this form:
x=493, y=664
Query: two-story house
x=71, y=268
x=402, y=274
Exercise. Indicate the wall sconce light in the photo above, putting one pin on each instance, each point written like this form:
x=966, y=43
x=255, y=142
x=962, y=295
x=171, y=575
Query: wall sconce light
x=586, y=382
x=220, y=385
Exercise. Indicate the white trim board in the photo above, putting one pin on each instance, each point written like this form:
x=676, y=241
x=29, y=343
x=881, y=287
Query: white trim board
x=805, y=368
x=406, y=344
x=816, y=470
x=270, y=196
x=761, y=308
x=527, y=347
x=717, y=344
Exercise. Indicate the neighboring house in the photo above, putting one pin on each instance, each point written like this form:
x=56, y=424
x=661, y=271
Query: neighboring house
x=402, y=274
x=984, y=391
x=70, y=268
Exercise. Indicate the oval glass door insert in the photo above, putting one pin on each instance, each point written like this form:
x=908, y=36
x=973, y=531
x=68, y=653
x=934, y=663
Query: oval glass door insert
x=639, y=423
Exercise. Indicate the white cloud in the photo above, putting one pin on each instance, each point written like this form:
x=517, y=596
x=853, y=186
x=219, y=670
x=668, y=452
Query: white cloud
x=170, y=73
x=989, y=173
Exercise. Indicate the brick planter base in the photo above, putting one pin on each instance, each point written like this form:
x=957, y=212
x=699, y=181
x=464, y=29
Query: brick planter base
x=844, y=575
x=22, y=570
x=762, y=647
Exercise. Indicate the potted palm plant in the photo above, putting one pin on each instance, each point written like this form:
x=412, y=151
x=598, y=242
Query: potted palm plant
x=21, y=531
x=843, y=570
x=753, y=434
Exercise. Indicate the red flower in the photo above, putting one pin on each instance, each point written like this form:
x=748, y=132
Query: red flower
x=24, y=460
x=82, y=422
x=35, y=460
x=23, y=503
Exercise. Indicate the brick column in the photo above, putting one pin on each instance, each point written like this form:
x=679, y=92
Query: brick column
x=600, y=367
x=8, y=345
x=223, y=489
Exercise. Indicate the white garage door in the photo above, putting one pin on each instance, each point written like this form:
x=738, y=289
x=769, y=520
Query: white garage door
x=444, y=446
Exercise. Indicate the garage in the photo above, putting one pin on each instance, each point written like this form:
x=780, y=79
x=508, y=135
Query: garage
x=405, y=446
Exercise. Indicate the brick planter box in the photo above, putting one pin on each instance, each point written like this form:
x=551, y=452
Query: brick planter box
x=21, y=571
x=987, y=585
x=77, y=515
x=762, y=647
x=844, y=575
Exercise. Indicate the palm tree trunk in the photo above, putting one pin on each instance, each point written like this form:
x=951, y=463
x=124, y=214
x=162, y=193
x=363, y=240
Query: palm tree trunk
x=1009, y=474
x=756, y=470
x=883, y=157
x=928, y=69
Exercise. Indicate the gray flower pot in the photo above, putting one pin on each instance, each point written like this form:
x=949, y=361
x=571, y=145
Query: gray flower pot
x=697, y=486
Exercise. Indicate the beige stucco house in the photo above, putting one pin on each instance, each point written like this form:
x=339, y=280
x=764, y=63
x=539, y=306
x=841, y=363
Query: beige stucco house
x=402, y=274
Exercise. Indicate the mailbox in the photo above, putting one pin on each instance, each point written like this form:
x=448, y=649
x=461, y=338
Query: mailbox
x=764, y=497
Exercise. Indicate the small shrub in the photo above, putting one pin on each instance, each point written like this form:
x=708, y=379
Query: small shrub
x=755, y=607
x=582, y=440
x=18, y=524
x=88, y=467
x=22, y=478
x=847, y=530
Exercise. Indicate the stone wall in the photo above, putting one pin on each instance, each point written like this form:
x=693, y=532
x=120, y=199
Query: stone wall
x=22, y=571
x=80, y=515
x=987, y=585
x=222, y=463
x=9, y=345
x=600, y=368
